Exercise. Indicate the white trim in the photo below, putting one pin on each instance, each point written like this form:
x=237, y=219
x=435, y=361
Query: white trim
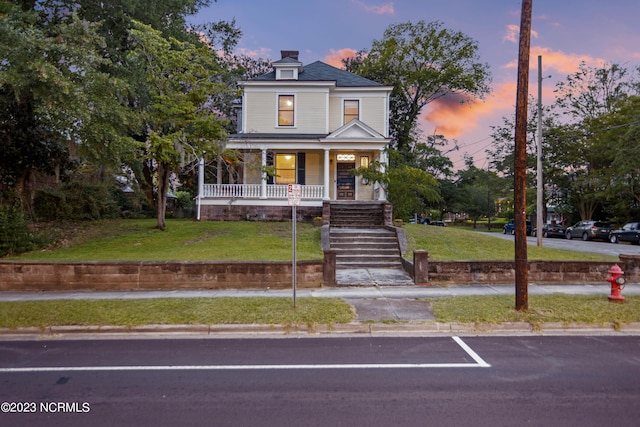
x=327, y=113
x=244, y=113
x=268, y=85
x=363, y=89
x=305, y=144
x=352, y=124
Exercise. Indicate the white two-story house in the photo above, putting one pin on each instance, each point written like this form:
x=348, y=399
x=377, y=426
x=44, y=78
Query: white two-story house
x=311, y=125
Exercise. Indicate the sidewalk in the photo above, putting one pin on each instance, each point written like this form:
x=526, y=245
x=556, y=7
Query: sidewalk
x=401, y=309
x=377, y=292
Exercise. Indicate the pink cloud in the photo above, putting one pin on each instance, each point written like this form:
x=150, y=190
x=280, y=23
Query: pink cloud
x=565, y=63
x=335, y=57
x=385, y=9
x=513, y=34
x=255, y=53
x=453, y=118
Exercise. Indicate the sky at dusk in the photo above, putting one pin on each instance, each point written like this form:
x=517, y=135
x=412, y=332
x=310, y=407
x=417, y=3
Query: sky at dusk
x=564, y=32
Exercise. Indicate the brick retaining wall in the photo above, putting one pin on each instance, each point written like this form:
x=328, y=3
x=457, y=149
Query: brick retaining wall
x=105, y=276
x=426, y=271
x=257, y=213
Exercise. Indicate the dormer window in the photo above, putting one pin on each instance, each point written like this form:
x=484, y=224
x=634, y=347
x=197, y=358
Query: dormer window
x=288, y=67
x=286, y=74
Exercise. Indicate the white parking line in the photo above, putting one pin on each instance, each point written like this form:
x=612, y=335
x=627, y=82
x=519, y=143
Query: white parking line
x=471, y=353
x=479, y=363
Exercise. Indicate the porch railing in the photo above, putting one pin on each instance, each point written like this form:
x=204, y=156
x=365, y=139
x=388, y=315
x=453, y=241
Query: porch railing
x=253, y=191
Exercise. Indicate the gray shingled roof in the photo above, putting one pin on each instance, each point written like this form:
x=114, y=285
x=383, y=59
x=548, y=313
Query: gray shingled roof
x=319, y=71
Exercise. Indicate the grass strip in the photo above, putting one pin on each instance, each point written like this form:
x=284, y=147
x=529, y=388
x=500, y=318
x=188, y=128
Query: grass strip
x=180, y=311
x=494, y=309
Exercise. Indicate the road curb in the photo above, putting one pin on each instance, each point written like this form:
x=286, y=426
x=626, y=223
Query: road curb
x=353, y=328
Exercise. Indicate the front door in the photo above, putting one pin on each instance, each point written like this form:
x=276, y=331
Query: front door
x=346, y=189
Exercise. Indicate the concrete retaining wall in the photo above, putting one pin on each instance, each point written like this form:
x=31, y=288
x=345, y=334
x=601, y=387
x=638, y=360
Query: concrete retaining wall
x=426, y=271
x=104, y=276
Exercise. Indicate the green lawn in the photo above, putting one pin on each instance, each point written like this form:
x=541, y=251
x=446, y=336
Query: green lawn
x=450, y=243
x=187, y=240
x=184, y=240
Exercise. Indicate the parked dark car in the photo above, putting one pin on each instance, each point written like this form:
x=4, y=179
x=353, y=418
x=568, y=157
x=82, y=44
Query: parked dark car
x=438, y=223
x=510, y=227
x=551, y=230
x=630, y=232
x=590, y=230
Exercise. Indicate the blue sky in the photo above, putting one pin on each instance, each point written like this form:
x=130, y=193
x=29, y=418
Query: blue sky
x=564, y=32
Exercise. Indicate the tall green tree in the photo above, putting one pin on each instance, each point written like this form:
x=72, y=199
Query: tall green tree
x=592, y=99
x=478, y=191
x=621, y=133
x=53, y=94
x=181, y=78
x=423, y=62
x=409, y=189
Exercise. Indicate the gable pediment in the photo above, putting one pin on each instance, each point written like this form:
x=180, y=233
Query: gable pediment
x=355, y=129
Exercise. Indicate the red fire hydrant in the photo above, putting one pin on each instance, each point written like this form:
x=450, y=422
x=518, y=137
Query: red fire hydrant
x=617, y=281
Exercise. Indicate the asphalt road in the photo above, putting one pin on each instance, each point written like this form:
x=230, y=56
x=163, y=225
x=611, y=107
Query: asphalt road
x=595, y=246
x=352, y=381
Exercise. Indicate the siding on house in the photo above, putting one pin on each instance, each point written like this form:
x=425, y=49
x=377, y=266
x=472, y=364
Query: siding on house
x=372, y=110
x=310, y=112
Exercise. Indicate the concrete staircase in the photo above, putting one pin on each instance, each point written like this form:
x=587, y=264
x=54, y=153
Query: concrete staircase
x=356, y=215
x=359, y=237
x=365, y=248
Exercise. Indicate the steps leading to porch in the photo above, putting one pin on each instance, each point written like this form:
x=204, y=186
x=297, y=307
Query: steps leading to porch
x=358, y=234
x=356, y=215
x=365, y=248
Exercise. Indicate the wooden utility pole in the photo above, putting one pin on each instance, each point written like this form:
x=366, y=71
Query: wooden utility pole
x=539, y=180
x=520, y=185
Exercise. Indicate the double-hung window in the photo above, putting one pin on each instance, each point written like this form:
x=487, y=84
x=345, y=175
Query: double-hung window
x=286, y=110
x=351, y=110
x=285, y=168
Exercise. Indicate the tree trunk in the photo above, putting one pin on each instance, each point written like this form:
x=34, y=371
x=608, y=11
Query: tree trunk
x=163, y=187
x=146, y=184
x=23, y=188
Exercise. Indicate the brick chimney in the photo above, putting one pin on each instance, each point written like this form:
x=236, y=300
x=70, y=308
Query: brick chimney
x=293, y=54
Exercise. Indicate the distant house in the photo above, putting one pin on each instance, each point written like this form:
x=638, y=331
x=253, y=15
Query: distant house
x=311, y=124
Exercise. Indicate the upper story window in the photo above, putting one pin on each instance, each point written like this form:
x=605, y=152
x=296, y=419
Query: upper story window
x=285, y=110
x=351, y=110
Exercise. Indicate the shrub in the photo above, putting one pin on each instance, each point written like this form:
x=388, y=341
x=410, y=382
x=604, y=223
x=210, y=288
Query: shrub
x=15, y=236
x=75, y=201
x=184, y=200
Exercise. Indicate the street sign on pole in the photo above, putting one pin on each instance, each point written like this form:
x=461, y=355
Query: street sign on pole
x=294, y=193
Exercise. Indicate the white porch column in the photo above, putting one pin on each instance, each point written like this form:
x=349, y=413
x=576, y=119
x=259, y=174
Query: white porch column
x=384, y=162
x=327, y=180
x=200, y=183
x=263, y=187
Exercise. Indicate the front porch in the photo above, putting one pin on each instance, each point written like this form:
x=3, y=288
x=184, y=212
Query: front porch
x=261, y=191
